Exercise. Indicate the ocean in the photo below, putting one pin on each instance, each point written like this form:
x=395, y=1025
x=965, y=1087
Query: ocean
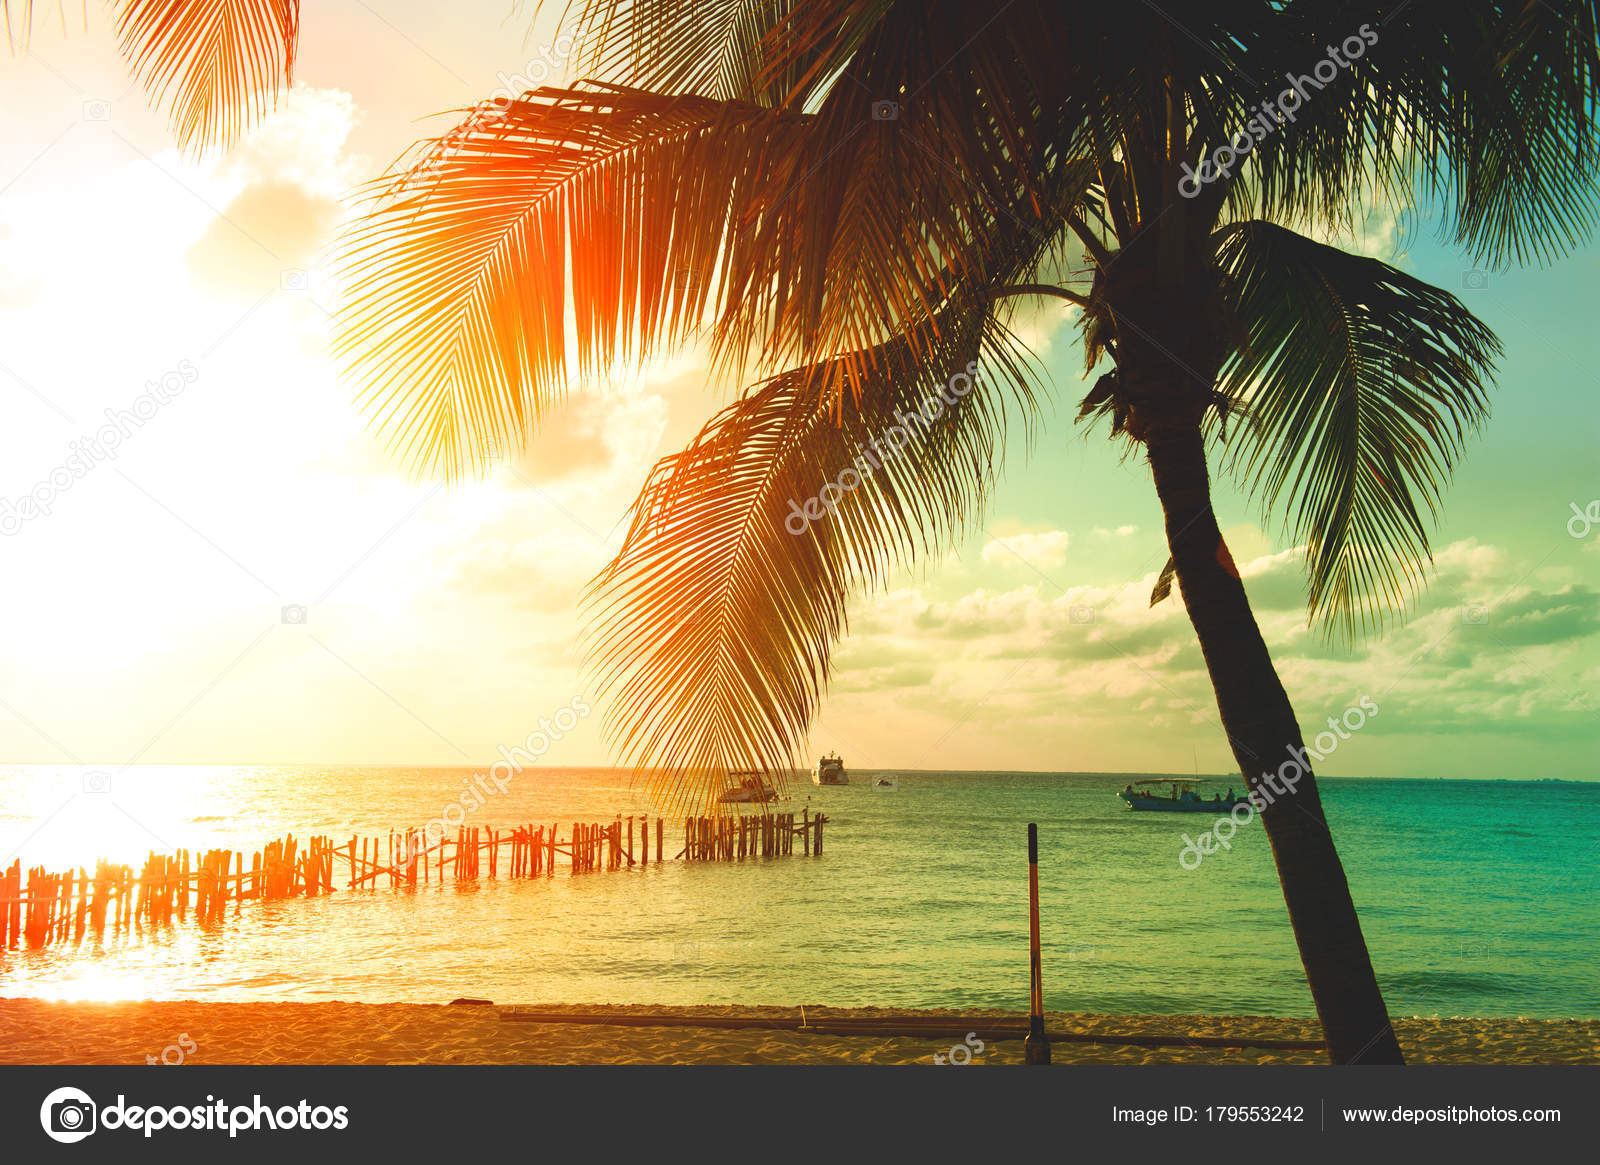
x=1478, y=898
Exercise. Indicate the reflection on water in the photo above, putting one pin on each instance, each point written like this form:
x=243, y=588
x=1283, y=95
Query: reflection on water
x=919, y=901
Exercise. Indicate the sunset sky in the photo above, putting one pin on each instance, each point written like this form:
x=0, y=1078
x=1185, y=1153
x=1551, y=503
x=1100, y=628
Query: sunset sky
x=145, y=612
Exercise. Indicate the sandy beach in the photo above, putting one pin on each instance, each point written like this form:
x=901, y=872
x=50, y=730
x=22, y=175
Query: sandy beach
x=45, y=1032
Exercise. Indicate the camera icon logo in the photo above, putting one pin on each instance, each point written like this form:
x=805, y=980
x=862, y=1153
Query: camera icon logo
x=295, y=279
x=294, y=613
x=1474, y=280
x=68, y=1115
x=97, y=111
x=97, y=781
x=686, y=953
x=885, y=111
x=1080, y=614
x=1475, y=616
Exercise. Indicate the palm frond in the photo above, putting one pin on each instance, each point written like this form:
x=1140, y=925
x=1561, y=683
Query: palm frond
x=1484, y=108
x=17, y=34
x=713, y=48
x=714, y=625
x=787, y=239
x=18, y=15
x=455, y=320
x=1361, y=385
x=1523, y=186
x=219, y=64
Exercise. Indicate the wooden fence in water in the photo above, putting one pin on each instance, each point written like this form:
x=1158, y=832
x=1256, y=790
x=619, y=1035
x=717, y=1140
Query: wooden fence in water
x=52, y=907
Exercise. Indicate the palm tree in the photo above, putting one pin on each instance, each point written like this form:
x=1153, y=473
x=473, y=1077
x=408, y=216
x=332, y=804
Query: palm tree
x=217, y=65
x=847, y=200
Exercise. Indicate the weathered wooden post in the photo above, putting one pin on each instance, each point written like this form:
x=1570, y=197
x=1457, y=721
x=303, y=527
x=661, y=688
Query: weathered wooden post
x=1036, y=1048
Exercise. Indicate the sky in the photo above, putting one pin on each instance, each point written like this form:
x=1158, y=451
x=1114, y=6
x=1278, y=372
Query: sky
x=242, y=576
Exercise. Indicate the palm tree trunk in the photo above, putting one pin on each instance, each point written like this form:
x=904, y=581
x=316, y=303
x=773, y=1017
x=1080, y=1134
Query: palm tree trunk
x=1262, y=728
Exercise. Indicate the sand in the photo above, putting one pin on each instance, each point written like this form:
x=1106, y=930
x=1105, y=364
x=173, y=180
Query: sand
x=44, y=1032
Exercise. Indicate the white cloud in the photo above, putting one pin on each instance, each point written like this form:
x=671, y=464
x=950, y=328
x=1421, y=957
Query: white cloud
x=285, y=196
x=302, y=142
x=1376, y=231
x=1048, y=548
x=1117, y=684
x=1038, y=321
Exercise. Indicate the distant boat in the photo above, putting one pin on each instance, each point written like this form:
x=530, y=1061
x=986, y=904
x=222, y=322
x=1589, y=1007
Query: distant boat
x=830, y=771
x=1179, y=796
x=753, y=787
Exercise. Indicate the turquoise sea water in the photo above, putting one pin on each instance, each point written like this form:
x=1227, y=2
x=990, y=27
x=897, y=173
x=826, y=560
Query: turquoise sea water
x=1477, y=898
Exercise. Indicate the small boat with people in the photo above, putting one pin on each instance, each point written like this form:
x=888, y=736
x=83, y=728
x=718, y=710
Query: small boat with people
x=830, y=771
x=753, y=787
x=1177, y=795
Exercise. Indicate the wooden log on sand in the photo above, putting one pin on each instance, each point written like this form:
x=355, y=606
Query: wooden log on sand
x=913, y=1026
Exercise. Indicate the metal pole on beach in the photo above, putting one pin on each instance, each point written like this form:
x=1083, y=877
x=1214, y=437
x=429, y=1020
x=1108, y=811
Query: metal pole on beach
x=1036, y=1048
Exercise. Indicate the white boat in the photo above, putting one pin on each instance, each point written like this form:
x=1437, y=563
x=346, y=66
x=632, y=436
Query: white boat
x=830, y=771
x=753, y=787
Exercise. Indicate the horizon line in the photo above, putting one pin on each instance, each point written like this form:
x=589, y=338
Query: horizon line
x=122, y=767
